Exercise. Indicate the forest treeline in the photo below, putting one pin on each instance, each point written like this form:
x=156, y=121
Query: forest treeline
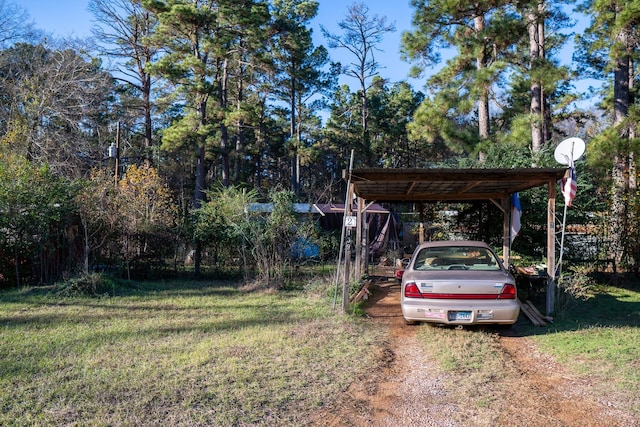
x=138, y=149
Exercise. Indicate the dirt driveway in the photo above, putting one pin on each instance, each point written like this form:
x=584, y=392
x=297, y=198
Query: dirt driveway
x=534, y=390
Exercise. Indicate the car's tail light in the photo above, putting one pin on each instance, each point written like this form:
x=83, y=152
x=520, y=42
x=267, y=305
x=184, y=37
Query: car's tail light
x=508, y=292
x=399, y=274
x=411, y=291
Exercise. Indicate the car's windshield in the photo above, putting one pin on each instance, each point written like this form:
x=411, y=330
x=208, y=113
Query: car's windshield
x=456, y=258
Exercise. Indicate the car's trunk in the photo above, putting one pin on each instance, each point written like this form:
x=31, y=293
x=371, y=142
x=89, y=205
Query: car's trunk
x=451, y=283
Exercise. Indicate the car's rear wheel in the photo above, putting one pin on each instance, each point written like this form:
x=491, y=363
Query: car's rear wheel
x=409, y=322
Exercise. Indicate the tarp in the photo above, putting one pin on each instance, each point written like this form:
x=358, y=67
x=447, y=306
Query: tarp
x=381, y=223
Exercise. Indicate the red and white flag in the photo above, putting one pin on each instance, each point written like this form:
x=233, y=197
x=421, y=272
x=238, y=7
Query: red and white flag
x=570, y=186
x=516, y=214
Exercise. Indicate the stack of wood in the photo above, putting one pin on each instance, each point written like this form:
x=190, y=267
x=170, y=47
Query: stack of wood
x=530, y=310
x=363, y=294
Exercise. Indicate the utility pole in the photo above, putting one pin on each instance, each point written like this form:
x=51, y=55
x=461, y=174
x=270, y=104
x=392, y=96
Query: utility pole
x=117, y=154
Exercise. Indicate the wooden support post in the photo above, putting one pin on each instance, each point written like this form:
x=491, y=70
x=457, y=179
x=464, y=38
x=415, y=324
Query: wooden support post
x=506, y=230
x=365, y=239
x=358, y=269
x=551, y=247
x=347, y=252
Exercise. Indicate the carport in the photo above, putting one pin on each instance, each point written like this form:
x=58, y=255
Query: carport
x=453, y=185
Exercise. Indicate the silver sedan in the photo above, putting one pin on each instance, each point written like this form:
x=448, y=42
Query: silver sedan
x=459, y=283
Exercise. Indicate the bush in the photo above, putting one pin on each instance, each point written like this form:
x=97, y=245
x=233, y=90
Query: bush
x=92, y=285
x=576, y=285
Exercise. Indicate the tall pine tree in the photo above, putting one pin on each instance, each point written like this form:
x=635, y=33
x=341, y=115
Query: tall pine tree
x=608, y=48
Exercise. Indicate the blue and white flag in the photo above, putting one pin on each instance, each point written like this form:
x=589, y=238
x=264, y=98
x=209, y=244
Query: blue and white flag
x=516, y=213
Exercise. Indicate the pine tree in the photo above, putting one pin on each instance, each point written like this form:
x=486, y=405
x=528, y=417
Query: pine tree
x=300, y=69
x=611, y=40
x=362, y=33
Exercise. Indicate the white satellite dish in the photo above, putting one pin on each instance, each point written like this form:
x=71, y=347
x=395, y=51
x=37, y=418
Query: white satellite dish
x=569, y=150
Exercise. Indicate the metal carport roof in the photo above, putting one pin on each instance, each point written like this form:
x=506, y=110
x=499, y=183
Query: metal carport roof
x=448, y=184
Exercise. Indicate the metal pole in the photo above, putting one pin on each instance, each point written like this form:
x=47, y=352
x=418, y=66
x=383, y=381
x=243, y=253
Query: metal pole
x=117, y=154
x=558, y=269
x=347, y=255
x=337, y=280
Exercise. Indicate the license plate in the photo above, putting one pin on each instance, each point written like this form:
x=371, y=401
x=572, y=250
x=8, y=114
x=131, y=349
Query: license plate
x=459, y=315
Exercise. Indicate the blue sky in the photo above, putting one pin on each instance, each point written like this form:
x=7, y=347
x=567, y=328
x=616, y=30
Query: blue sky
x=62, y=17
x=71, y=18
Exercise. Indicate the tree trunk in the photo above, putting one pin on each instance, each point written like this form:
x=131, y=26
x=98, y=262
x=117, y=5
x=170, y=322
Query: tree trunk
x=260, y=142
x=16, y=258
x=292, y=133
x=618, y=224
x=148, y=124
x=366, y=143
x=239, y=157
x=298, y=146
x=483, y=100
x=535, y=55
x=85, y=264
x=632, y=174
x=547, y=129
x=224, y=132
x=199, y=194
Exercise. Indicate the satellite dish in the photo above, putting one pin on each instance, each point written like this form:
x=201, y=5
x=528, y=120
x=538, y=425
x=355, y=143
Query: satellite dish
x=569, y=150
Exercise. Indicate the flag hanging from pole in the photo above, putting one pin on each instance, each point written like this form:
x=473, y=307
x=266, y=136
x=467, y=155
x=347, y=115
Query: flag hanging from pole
x=516, y=213
x=569, y=186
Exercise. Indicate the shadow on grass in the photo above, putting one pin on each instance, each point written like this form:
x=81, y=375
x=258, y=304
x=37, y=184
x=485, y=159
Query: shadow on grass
x=205, y=305
x=124, y=288
x=83, y=324
x=613, y=302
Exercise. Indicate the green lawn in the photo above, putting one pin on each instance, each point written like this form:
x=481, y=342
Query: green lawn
x=599, y=336
x=596, y=336
x=175, y=354
x=205, y=353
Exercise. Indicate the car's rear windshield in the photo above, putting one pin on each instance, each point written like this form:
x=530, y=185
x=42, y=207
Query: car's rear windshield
x=456, y=258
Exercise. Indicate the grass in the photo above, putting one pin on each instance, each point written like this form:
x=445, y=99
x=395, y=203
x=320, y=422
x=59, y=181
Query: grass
x=207, y=353
x=595, y=335
x=598, y=336
x=471, y=353
x=175, y=354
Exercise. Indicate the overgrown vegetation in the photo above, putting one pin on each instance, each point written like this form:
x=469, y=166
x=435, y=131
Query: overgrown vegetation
x=88, y=285
x=263, y=238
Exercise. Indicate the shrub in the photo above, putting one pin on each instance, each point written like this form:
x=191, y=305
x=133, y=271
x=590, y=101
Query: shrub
x=92, y=284
x=575, y=285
